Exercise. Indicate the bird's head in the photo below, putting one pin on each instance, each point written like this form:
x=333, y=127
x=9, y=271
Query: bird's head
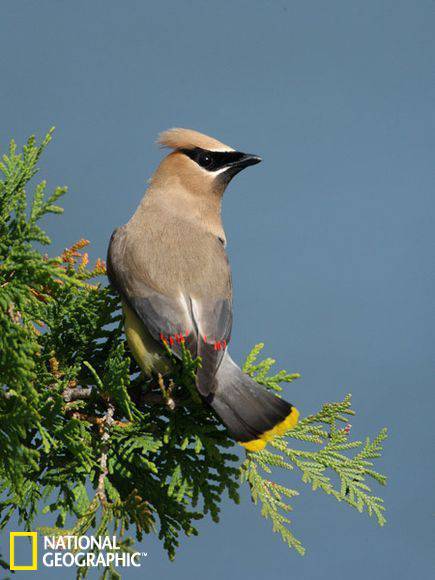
x=198, y=163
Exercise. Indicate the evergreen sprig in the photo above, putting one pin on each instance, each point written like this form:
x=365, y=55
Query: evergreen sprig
x=87, y=440
x=329, y=430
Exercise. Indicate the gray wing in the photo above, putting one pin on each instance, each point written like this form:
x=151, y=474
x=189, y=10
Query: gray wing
x=203, y=322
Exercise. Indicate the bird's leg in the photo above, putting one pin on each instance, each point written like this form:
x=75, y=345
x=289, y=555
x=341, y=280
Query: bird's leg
x=167, y=392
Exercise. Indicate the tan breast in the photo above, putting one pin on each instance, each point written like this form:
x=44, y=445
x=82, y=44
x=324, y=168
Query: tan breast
x=173, y=255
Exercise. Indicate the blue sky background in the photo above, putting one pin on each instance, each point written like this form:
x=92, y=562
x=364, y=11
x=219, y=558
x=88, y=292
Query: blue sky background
x=331, y=238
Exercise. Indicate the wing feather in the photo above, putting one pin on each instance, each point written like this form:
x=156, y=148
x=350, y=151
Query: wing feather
x=204, y=321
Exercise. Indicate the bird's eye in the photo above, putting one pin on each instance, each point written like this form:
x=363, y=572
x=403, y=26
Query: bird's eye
x=205, y=160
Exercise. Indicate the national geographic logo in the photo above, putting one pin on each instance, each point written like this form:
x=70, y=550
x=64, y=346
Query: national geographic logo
x=67, y=551
x=34, y=543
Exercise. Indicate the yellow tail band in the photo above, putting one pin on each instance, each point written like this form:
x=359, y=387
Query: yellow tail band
x=279, y=429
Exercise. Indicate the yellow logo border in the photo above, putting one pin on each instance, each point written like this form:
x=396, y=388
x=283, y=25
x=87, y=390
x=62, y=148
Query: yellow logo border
x=34, y=564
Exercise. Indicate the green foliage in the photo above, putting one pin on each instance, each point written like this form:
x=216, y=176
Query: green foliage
x=84, y=438
x=316, y=467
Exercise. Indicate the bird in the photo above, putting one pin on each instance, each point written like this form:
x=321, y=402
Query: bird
x=170, y=267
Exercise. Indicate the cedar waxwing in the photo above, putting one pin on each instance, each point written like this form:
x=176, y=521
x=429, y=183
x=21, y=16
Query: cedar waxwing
x=170, y=267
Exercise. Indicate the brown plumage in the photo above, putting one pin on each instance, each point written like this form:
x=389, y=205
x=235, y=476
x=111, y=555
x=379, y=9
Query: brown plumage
x=178, y=138
x=170, y=266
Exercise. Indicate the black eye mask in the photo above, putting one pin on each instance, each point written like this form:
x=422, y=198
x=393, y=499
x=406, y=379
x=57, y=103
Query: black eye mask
x=213, y=160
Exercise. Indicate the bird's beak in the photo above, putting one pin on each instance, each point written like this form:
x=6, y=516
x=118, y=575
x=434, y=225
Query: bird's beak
x=246, y=160
x=236, y=162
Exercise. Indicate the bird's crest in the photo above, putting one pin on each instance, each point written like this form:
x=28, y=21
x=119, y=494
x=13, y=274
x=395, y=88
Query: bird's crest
x=179, y=138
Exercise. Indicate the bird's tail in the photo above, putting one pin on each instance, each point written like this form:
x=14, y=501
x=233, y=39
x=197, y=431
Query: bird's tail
x=252, y=415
